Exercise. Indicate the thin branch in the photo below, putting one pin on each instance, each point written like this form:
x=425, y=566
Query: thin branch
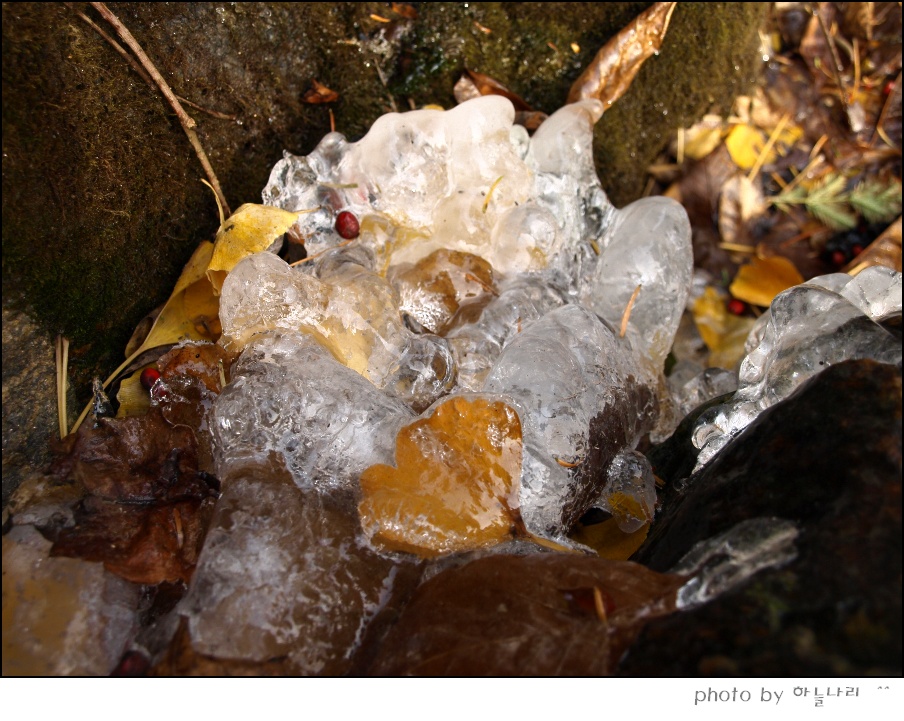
x=188, y=123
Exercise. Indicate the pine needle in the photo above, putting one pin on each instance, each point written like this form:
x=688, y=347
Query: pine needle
x=627, y=314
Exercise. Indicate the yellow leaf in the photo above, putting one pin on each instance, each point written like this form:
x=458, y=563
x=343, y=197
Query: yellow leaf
x=191, y=313
x=724, y=333
x=250, y=229
x=744, y=143
x=609, y=541
x=133, y=398
x=455, y=483
x=763, y=279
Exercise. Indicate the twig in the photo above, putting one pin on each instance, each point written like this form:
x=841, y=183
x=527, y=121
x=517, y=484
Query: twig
x=62, y=365
x=627, y=313
x=836, y=59
x=884, y=113
x=764, y=153
x=188, y=124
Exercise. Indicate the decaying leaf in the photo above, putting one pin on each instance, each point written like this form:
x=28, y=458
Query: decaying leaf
x=455, y=483
x=764, y=278
x=724, y=333
x=609, y=76
x=317, y=94
x=545, y=614
x=250, y=229
x=486, y=85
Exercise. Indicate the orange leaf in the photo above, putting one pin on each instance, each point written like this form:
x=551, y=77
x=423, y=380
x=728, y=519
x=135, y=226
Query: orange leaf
x=763, y=279
x=455, y=483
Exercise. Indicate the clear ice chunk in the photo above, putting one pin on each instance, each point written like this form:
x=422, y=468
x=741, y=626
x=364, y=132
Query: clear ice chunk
x=723, y=562
x=583, y=400
x=289, y=396
x=807, y=328
x=61, y=616
x=283, y=575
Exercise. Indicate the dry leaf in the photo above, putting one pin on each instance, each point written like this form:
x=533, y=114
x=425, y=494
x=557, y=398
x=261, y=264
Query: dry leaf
x=613, y=69
x=485, y=85
x=741, y=202
x=763, y=279
x=250, y=229
x=455, y=483
x=884, y=250
x=702, y=137
x=319, y=93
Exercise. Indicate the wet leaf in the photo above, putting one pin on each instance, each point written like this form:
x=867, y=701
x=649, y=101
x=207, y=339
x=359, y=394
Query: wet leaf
x=485, y=85
x=610, y=74
x=133, y=398
x=250, y=229
x=455, y=483
x=544, y=614
x=609, y=541
x=764, y=278
x=143, y=544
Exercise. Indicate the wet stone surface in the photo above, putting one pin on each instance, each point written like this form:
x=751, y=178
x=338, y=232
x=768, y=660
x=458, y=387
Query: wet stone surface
x=829, y=460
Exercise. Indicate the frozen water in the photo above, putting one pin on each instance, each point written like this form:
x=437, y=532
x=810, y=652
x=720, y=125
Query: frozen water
x=61, y=616
x=806, y=329
x=723, y=562
x=291, y=397
x=282, y=575
x=576, y=386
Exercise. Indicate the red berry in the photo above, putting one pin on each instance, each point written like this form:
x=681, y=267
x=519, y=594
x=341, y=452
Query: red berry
x=736, y=306
x=347, y=225
x=839, y=258
x=889, y=87
x=856, y=249
x=149, y=377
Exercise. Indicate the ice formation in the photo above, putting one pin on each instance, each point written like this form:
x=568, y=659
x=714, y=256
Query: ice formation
x=488, y=261
x=829, y=319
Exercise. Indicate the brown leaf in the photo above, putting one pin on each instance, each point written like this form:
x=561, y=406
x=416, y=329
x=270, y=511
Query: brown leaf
x=406, y=10
x=741, y=203
x=320, y=93
x=143, y=544
x=485, y=85
x=140, y=459
x=884, y=250
x=613, y=69
x=545, y=614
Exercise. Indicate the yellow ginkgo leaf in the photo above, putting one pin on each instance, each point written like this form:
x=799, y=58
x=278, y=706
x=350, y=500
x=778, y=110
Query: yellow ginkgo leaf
x=191, y=313
x=133, y=398
x=250, y=229
x=455, y=484
x=764, y=278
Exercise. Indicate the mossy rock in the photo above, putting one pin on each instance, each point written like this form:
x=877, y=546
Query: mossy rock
x=102, y=199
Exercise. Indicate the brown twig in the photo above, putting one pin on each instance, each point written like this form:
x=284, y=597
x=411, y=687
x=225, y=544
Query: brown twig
x=837, y=67
x=188, y=123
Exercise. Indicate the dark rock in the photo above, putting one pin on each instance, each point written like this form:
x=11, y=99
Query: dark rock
x=829, y=460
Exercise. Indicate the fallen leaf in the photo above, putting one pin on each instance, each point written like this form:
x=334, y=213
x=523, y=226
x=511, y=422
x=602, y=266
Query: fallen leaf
x=740, y=203
x=884, y=250
x=608, y=540
x=455, y=483
x=703, y=137
x=724, y=333
x=317, y=94
x=610, y=74
x=544, y=614
x=133, y=398
x=250, y=229
x=764, y=278
x=485, y=85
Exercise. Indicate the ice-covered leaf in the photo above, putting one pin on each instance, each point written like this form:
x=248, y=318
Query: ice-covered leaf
x=610, y=74
x=455, y=483
x=764, y=278
x=545, y=614
x=249, y=230
x=608, y=540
